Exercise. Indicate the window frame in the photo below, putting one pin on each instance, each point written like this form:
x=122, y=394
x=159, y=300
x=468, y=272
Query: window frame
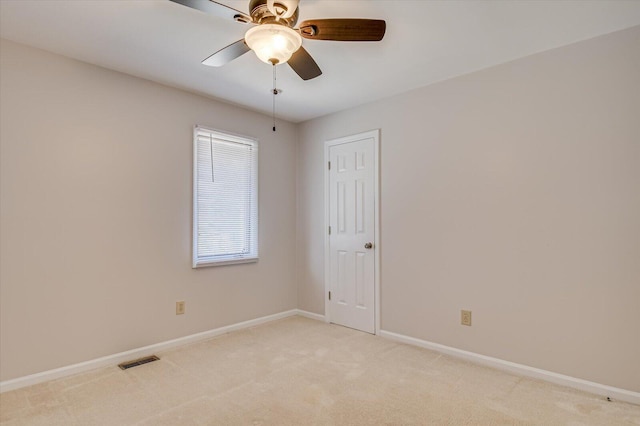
x=253, y=255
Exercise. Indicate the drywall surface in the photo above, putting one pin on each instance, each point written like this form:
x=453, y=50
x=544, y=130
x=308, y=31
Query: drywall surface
x=96, y=207
x=513, y=192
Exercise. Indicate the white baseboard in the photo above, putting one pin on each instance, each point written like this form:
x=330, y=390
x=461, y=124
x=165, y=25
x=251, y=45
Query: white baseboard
x=523, y=370
x=584, y=385
x=310, y=315
x=115, y=359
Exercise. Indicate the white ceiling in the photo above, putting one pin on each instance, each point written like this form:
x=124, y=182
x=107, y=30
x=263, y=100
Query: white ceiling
x=426, y=41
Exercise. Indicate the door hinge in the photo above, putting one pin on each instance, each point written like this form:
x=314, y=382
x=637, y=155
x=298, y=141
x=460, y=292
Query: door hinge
x=329, y=165
x=329, y=230
x=329, y=295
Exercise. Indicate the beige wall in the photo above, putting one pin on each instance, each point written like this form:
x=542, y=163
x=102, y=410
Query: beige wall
x=513, y=192
x=96, y=214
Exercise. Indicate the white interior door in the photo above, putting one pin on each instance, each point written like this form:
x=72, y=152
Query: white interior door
x=352, y=232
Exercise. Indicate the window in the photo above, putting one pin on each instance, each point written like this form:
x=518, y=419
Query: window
x=225, y=198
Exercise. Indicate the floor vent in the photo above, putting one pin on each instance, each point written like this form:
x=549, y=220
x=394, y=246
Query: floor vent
x=137, y=362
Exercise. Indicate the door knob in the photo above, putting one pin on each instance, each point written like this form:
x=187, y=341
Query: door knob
x=368, y=246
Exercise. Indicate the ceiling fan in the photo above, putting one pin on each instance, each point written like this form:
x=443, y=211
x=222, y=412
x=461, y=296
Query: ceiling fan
x=274, y=38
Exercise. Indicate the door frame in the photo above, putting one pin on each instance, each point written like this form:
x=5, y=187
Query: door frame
x=375, y=134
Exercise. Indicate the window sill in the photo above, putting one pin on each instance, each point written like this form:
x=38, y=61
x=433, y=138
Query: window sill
x=208, y=263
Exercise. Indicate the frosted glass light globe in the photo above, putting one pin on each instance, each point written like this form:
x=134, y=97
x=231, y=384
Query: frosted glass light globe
x=273, y=43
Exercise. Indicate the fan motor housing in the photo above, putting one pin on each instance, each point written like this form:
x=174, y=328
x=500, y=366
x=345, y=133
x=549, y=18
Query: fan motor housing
x=262, y=15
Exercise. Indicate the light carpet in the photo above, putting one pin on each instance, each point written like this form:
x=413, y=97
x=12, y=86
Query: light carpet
x=299, y=371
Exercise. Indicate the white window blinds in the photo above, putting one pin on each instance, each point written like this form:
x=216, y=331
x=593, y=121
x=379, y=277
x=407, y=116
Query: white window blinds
x=225, y=195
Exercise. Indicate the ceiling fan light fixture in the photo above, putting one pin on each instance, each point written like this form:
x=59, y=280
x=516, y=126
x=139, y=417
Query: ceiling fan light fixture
x=273, y=43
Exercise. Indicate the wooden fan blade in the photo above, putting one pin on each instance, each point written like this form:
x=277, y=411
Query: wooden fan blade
x=215, y=8
x=343, y=29
x=227, y=54
x=304, y=65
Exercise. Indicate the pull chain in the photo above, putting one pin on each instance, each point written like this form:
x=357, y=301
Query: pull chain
x=275, y=92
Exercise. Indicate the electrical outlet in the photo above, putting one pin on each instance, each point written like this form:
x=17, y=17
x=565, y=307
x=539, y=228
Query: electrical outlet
x=180, y=308
x=465, y=318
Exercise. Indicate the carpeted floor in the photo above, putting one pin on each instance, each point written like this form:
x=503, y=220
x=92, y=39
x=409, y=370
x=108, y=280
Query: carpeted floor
x=298, y=371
